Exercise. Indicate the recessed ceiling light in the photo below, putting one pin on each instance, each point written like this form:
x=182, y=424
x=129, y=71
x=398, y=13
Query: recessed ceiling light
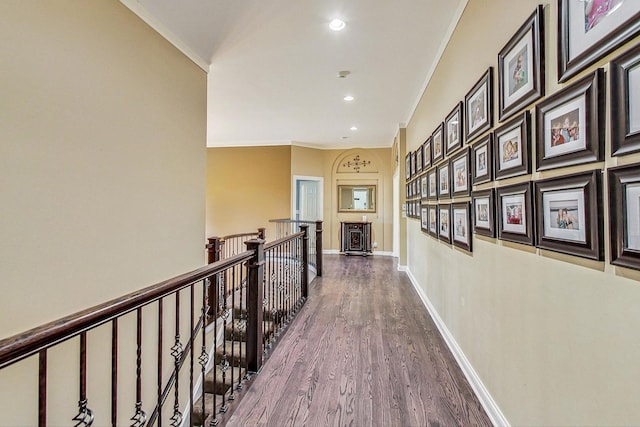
x=353, y=128
x=337, y=24
x=348, y=98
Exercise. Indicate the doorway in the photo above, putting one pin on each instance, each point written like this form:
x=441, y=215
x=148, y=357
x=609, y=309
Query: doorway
x=307, y=198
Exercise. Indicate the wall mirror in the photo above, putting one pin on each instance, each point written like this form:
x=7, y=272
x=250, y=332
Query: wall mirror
x=356, y=198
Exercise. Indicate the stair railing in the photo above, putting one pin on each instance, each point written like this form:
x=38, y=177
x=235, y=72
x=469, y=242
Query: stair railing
x=288, y=226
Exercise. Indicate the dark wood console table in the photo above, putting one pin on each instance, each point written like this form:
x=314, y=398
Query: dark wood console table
x=355, y=238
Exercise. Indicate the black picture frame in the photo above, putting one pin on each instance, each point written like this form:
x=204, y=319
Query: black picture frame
x=453, y=137
x=512, y=147
x=432, y=183
x=522, y=82
x=444, y=228
x=624, y=139
x=478, y=106
x=585, y=101
x=419, y=159
x=437, y=144
x=624, y=184
x=482, y=160
x=459, y=171
x=619, y=32
x=407, y=166
x=461, y=230
x=433, y=221
x=424, y=224
x=569, y=215
x=514, y=211
x=426, y=154
x=424, y=189
x=413, y=164
x=444, y=181
x=484, y=212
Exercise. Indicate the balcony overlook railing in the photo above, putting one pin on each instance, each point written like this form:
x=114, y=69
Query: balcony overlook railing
x=212, y=353
x=287, y=226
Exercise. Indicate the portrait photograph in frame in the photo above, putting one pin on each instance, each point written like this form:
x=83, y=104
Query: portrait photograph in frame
x=570, y=124
x=569, y=215
x=624, y=211
x=413, y=164
x=484, y=212
x=433, y=221
x=419, y=160
x=482, y=160
x=437, y=144
x=461, y=225
x=624, y=74
x=511, y=147
x=478, y=106
x=515, y=213
x=521, y=67
x=588, y=30
x=459, y=167
x=407, y=166
x=453, y=130
x=424, y=218
x=432, y=184
x=426, y=154
x=444, y=222
x=444, y=181
x=424, y=191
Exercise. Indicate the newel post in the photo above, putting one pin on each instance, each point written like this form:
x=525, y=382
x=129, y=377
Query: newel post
x=214, y=249
x=319, y=248
x=261, y=233
x=305, y=260
x=255, y=277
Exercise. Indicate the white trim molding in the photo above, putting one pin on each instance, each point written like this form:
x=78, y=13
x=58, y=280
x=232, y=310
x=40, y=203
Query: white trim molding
x=487, y=401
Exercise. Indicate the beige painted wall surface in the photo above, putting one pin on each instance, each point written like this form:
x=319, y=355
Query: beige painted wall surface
x=554, y=339
x=246, y=187
x=102, y=181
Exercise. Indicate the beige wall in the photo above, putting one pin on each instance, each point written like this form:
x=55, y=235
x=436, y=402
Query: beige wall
x=246, y=187
x=102, y=180
x=553, y=338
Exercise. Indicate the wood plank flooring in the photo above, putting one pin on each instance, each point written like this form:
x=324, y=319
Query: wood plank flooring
x=363, y=351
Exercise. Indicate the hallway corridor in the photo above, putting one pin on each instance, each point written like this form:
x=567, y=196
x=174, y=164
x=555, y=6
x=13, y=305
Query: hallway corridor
x=362, y=352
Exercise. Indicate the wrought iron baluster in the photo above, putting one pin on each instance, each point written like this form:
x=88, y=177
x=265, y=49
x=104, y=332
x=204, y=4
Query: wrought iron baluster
x=42, y=388
x=114, y=372
x=224, y=363
x=140, y=417
x=85, y=415
x=176, y=352
x=204, y=356
x=159, y=404
x=192, y=338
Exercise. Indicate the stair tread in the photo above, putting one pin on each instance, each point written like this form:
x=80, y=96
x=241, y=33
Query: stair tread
x=214, y=383
x=200, y=414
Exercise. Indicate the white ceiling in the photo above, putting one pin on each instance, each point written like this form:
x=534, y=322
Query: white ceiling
x=273, y=65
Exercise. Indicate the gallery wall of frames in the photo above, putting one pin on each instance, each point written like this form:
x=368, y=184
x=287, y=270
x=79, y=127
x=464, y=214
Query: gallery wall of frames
x=455, y=179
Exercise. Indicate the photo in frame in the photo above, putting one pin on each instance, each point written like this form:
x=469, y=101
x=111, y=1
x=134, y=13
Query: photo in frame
x=459, y=167
x=453, y=130
x=570, y=124
x=624, y=74
x=424, y=218
x=515, y=213
x=413, y=164
x=426, y=154
x=511, y=147
x=484, y=212
x=482, y=160
x=478, y=106
x=589, y=30
x=624, y=210
x=444, y=222
x=569, y=215
x=407, y=166
x=423, y=187
x=437, y=144
x=433, y=221
x=461, y=225
x=444, y=181
x=521, y=67
x=432, y=183
x=419, y=160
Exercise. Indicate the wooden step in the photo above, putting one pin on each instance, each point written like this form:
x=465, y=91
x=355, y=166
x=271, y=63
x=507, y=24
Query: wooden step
x=216, y=384
x=237, y=330
x=200, y=414
x=236, y=353
x=241, y=313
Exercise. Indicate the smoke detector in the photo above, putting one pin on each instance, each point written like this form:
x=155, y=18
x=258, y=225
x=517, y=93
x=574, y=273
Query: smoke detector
x=343, y=74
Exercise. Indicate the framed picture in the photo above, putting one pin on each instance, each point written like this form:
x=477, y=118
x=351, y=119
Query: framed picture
x=426, y=154
x=453, y=129
x=482, y=160
x=437, y=147
x=461, y=225
x=423, y=187
x=515, y=213
x=512, y=147
x=625, y=103
x=478, y=106
x=570, y=124
x=432, y=184
x=433, y=221
x=443, y=181
x=521, y=67
x=413, y=164
x=624, y=208
x=459, y=167
x=424, y=218
x=569, y=215
x=588, y=30
x=484, y=212
x=419, y=159
x=407, y=166
x=444, y=221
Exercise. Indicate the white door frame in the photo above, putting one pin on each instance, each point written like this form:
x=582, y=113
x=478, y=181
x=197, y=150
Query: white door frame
x=294, y=193
x=396, y=214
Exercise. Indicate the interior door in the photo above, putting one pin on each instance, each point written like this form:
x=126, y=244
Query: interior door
x=307, y=208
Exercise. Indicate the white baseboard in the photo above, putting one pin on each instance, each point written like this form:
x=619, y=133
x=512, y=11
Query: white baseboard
x=330, y=251
x=337, y=252
x=402, y=268
x=489, y=405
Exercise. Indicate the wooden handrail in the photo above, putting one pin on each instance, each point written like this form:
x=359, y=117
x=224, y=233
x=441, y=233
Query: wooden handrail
x=282, y=240
x=28, y=343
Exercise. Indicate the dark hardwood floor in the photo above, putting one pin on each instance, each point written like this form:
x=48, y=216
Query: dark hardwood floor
x=362, y=352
